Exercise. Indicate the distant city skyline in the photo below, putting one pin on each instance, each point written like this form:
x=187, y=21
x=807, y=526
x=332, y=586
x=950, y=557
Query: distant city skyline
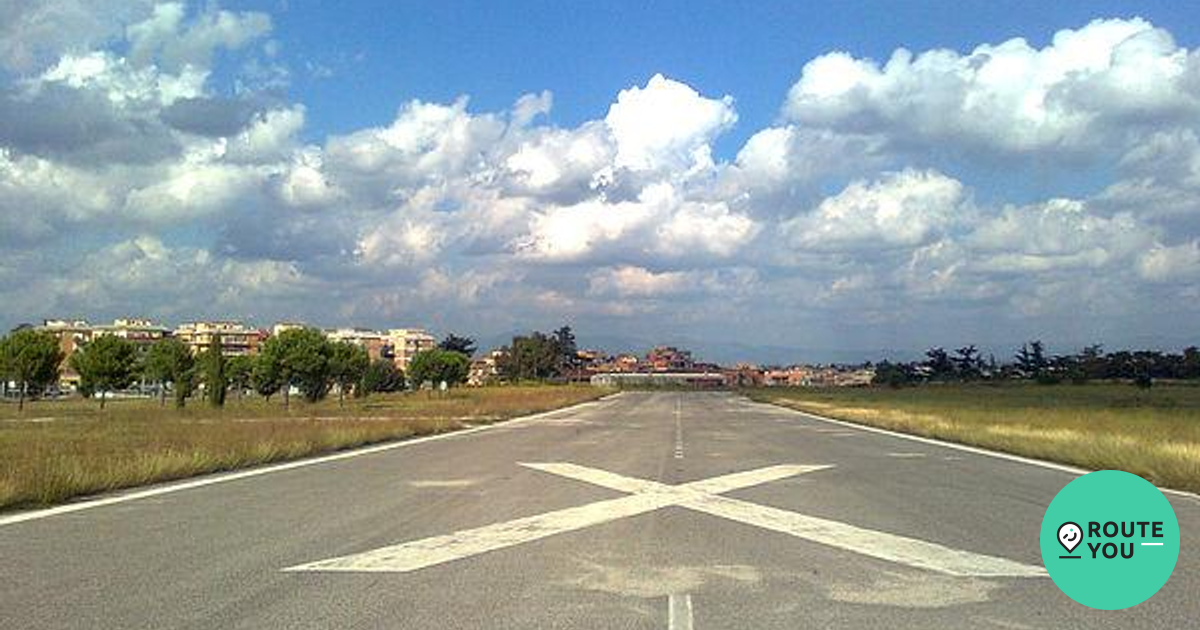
x=838, y=181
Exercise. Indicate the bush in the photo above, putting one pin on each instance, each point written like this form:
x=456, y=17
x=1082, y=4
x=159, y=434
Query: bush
x=1045, y=377
x=381, y=376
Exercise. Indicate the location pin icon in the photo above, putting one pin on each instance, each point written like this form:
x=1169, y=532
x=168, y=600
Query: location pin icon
x=1069, y=536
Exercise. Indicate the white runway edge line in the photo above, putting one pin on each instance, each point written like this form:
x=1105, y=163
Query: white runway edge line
x=960, y=447
x=200, y=482
x=679, y=612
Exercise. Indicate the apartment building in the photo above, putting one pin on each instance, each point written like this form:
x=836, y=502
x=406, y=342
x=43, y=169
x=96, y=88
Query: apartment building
x=283, y=327
x=375, y=342
x=744, y=375
x=810, y=376
x=794, y=376
x=485, y=370
x=236, y=338
x=73, y=334
x=619, y=363
x=669, y=359
x=405, y=343
x=142, y=332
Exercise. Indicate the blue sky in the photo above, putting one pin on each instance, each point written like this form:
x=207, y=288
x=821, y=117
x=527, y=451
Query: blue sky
x=586, y=52
x=758, y=180
x=356, y=62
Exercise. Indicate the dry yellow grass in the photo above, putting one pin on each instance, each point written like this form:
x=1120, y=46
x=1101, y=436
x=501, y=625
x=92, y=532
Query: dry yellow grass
x=63, y=449
x=1155, y=433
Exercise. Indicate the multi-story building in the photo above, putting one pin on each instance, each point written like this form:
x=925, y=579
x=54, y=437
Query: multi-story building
x=858, y=377
x=72, y=335
x=591, y=358
x=75, y=333
x=283, y=327
x=375, y=342
x=619, y=363
x=405, y=343
x=669, y=359
x=794, y=376
x=627, y=363
x=744, y=375
x=819, y=376
x=485, y=370
x=586, y=364
x=142, y=332
x=236, y=338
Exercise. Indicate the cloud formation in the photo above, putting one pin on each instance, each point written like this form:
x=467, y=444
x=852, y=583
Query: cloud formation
x=1087, y=90
x=130, y=181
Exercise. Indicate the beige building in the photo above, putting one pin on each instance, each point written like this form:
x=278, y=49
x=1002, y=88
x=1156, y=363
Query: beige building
x=283, y=327
x=376, y=342
x=405, y=343
x=72, y=334
x=809, y=376
x=397, y=344
x=236, y=338
x=669, y=359
x=486, y=370
x=620, y=363
x=142, y=332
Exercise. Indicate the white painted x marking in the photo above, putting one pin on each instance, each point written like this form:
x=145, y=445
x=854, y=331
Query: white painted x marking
x=701, y=496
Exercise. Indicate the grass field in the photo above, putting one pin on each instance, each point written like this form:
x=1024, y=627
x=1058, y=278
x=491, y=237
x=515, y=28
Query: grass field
x=57, y=450
x=1154, y=433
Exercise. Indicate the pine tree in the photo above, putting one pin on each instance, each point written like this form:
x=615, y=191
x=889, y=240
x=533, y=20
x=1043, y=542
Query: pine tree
x=170, y=360
x=107, y=363
x=31, y=359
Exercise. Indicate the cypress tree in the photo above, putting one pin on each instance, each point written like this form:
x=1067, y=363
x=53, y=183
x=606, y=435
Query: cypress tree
x=215, y=382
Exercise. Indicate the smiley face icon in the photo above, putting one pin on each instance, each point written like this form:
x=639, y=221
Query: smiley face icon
x=1069, y=536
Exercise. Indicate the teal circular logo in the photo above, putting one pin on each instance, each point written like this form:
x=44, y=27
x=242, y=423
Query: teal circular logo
x=1110, y=540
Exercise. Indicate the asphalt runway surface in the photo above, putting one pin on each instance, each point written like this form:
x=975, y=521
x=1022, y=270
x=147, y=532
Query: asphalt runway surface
x=642, y=510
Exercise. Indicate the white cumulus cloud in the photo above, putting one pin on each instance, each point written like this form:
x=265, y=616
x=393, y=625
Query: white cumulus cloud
x=1075, y=94
x=136, y=175
x=907, y=208
x=667, y=125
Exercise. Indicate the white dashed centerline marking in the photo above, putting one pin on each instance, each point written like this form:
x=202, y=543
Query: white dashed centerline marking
x=678, y=430
x=679, y=612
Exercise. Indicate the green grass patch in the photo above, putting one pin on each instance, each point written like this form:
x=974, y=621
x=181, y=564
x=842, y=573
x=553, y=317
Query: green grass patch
x=57, y=450
x=1154, y=433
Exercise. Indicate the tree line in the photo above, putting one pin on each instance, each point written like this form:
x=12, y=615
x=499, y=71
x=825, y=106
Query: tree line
x=539, y=356
x=1032, y=362
x=301, y=359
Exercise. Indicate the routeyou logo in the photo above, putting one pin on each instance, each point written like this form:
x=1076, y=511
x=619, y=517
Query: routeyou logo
x=1110, y=540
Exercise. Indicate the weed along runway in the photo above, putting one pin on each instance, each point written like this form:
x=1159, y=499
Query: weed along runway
x=641, y=510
